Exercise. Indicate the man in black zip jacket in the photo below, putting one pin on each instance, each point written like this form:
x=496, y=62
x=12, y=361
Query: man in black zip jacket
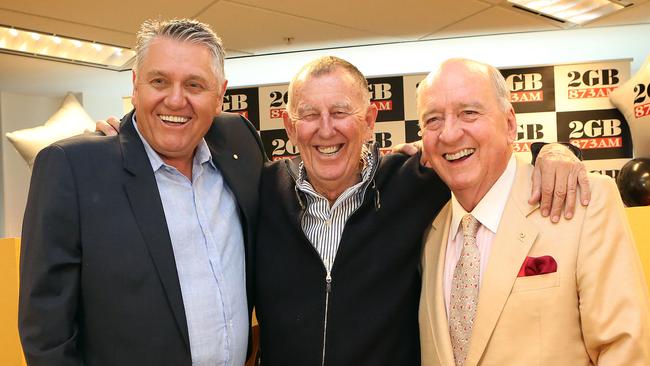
x=340, y=230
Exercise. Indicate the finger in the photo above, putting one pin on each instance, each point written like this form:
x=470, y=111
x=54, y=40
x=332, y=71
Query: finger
x=99, y=124
x=405, y=148
x=114, y=122
x=409, y=149
x=547, y=189
x=572, y=186
x=424, y=161
x=105, y=128
x=397, y=148
x=417, y=145
x=535, y=192
x=585, y=190
x=559, y=194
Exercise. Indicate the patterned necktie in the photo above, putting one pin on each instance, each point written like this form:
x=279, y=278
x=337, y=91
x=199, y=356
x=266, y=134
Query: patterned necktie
x=464, y=291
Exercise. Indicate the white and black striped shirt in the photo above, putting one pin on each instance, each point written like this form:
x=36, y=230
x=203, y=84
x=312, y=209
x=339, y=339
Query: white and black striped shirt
x=323, y=225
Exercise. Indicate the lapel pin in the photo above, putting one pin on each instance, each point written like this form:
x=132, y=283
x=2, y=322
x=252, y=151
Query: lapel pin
x=235, y=156
x=522, y=236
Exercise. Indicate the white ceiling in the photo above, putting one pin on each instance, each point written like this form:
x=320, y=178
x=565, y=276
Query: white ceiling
x=255, y=27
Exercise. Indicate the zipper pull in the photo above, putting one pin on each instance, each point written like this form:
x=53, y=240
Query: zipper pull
x=328, y=282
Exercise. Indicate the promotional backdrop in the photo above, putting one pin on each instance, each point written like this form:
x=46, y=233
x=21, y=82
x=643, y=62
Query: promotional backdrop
x=552, y=103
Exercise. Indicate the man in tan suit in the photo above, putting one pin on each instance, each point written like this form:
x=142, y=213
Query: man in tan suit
x=503, y=285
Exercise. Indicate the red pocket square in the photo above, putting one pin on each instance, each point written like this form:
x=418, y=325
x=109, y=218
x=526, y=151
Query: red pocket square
x=534, y=266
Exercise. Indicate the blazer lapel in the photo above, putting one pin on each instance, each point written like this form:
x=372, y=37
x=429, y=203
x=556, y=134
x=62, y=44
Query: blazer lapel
x=142, y=192
x=436, y=248
x=513, y=241
x=233, y=168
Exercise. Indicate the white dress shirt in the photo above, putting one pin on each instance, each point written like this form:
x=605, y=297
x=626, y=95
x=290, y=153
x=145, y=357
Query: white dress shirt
x=488, y=213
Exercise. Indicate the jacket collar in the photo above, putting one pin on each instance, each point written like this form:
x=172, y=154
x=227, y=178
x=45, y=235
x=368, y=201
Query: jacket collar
x=141, y=189
x=295, y=168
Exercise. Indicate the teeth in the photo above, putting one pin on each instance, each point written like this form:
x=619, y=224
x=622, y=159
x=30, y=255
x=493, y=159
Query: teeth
x=459, y=154
x=329, y=149
x=173, y=119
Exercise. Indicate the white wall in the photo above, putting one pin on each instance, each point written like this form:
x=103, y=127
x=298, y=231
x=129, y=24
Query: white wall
x=522, y=49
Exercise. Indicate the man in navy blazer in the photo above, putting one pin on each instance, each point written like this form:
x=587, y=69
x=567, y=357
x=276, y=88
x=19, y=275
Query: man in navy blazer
x=103, y=281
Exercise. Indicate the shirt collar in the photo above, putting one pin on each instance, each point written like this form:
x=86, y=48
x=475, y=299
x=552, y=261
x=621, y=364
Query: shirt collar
x=369, y=158
x=201, y=155
x=489, y=210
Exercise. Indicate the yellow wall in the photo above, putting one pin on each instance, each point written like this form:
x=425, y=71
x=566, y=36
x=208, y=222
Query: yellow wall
x=10, y=351
x=639, y=218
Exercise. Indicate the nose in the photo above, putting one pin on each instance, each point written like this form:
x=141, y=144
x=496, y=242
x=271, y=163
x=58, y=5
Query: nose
x=451, y=131
x=326, y=127
x=175, y=98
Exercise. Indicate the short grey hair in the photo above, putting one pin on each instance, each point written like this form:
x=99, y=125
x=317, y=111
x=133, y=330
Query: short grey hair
x=183, y=30
x=324, y=66
x=500, y=86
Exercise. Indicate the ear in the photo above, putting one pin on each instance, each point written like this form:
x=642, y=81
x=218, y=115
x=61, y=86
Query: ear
x=370, y=118
x=221, y=91
x=134, y=93
x=289, y=126
x=512, y=125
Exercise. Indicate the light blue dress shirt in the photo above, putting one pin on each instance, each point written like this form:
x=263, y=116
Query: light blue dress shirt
x=208, y=247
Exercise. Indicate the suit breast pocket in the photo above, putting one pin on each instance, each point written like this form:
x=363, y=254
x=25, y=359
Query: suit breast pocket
x=539, y=282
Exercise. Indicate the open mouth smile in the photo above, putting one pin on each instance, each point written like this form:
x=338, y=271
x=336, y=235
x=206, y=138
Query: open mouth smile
x=459, y=155
x=329, y=150
x=176, y=120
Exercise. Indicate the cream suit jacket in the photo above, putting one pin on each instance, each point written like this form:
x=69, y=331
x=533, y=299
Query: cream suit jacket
x=592, y=311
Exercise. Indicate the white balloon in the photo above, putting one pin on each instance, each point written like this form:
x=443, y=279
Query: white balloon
x=70, y=120
x=633, y=100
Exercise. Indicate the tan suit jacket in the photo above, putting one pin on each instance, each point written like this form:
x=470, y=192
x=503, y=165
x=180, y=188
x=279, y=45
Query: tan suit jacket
x=592, y=311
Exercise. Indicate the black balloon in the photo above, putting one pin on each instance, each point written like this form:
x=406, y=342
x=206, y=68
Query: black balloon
x=634, y=182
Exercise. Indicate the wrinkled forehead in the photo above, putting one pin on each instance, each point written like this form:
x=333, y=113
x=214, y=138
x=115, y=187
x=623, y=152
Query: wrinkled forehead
x=335, y=89
x=455, y=88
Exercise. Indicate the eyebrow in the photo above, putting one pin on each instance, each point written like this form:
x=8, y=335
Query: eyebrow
x=163, y=74
x=432, y=111
x=303, y=107
x=470, y=105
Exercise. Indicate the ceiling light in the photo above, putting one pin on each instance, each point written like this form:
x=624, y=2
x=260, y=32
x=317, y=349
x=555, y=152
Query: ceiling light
x=58, y=48
x=573, y=11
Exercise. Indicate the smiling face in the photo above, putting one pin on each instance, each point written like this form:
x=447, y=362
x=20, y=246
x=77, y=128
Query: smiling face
x=329, y=120
x=176, y=93
x=467, y=131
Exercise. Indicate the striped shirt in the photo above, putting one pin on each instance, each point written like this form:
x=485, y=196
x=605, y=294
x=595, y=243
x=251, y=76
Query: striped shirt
x=323, y=224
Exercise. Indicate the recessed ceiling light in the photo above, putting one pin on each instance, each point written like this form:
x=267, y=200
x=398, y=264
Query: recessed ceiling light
x=574, y=11
x=58, y=48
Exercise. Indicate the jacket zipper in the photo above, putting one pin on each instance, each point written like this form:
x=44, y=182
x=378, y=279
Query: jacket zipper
x=328, y=275
x=328, y=289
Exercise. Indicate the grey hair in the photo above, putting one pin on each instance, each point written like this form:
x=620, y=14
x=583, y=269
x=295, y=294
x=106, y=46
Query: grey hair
x=500, y=86
x=324, y=66
x=183, y=30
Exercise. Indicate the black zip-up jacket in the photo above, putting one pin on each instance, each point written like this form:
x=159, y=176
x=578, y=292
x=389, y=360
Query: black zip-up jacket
x=372, y=304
